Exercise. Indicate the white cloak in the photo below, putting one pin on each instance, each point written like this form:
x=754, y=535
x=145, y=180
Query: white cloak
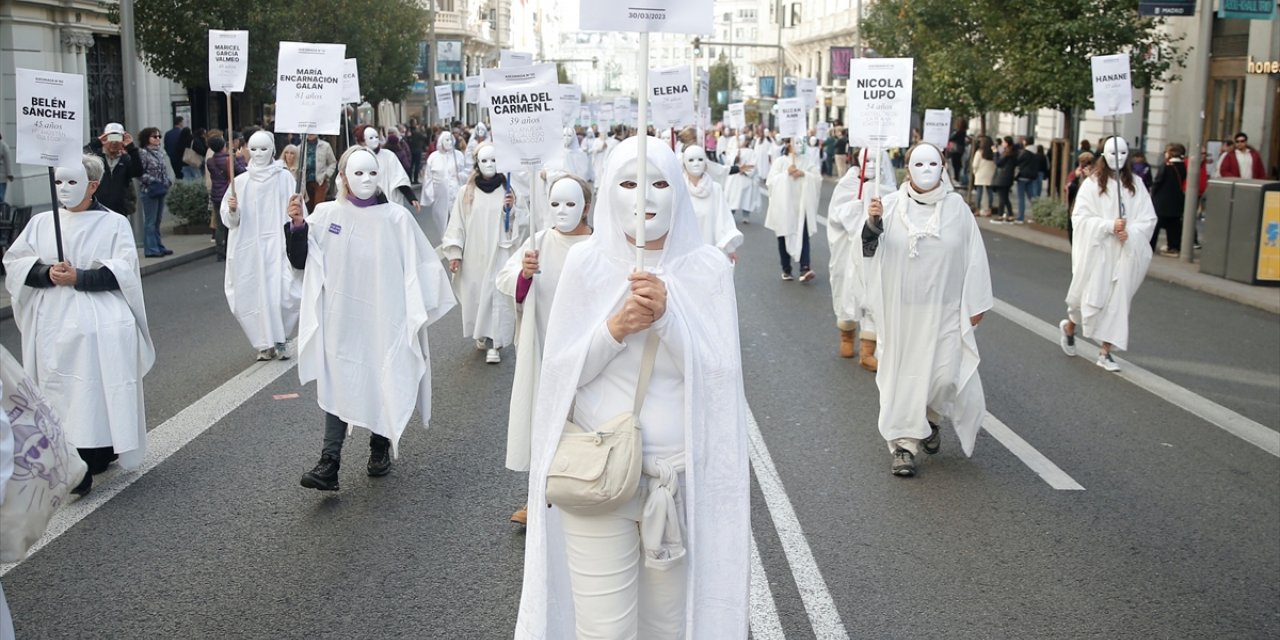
x=447, y=171
x=371, y=288
x=88, y=351
x=742, y=191
x=477, y=236
x=533, y=314
x=928, y=355
x=262, y=288
x=793, y=202
x=392, y=176
x=1106, y=273
x=714, y=218
x=846, y=216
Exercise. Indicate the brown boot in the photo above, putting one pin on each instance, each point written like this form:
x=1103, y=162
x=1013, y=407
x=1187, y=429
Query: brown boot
x=846, y=343
x=867, y=359
x=521, y=516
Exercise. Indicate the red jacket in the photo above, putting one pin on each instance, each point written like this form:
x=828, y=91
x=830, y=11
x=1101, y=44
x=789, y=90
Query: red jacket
x=1231, y=169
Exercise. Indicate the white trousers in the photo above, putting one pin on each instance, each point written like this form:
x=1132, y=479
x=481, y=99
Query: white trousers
x=616, y=596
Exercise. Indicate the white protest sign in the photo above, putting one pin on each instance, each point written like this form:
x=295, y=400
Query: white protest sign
x=704, y=88
x=622, y=110
x=50, y=118
x=472, y=93
x=228, y=60
x=671, y=97
x=525, y=125
x=309, y=87
x=807, y=91
x=880, y=101
x=666, y=16
x=1112, y=88
x=605, y=114
x=823, y=129
x=736, y=115
x=705, y=119
x=791, y=118
x=350, y=81
x=569, y=98
x=509, y=58
x=937, y=127
x=444, y=102
x=505, y=78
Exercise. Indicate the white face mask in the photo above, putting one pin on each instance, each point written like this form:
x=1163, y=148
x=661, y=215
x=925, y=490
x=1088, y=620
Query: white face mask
x=361, y=175
x=658, y=206
x=1111, y=148
x=446, y=143
x=487, y=161
x=371, y=139
x=261, y=149
x=567, y=204
x=925, y=167
x=695, y=161
x=71, y=185
x=569, y=138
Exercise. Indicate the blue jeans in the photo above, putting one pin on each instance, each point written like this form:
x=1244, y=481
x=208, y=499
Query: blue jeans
x=4, y=186
x=1037, y=188
x=152, y=207
x=981, y=190
x=190, y=173
x=1025, y=186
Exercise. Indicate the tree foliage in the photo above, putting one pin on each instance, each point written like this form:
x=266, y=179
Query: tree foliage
x=173, y=38
x=722, y=78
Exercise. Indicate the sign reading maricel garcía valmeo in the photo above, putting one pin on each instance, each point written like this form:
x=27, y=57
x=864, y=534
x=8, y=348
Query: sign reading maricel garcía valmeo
x=309, y=87
x=646, y=16
x=1112, y=85
x=880, y=101
x=50, y=118
x=228, y=60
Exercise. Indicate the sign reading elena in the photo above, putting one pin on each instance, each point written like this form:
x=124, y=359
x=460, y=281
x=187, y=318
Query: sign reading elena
x=50, y=118
x=228, y=60
x=1112, y=85
x=671, y=96
x=880, y=101
x=309, y=87
x=350, y=81
x=652, y=16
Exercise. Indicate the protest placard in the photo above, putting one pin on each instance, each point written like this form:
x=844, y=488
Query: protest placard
x=471, y=95
x=671, y=96
x=350, y=81
x=879, y=93
x=1112, y=85
x=569, y=104
x=791, y=118
x=444, y=102
x=525, y=125
x=736, y=115
x=807, y=91
x=51, y=121
x=509, y=58
x=228, y=60
x=666, y=16
x=822, y=130
x=937, y=127
x=309, y=87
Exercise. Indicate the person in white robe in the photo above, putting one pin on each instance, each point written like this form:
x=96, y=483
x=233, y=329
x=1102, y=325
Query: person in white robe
x=262, y=289
x=1110, y=252
x=742, y=190
x=934, y=285
x=372, y=286
x=570, y=160
x=709, y=204
x=85, y=338
x=795, y=184
x=447, y=171
x=393, y=180
x=674, y=561
x=484, y=231
x=529, y=278
x=6, y=472
x=845, y=219
x=599, y=152
x=479, y=135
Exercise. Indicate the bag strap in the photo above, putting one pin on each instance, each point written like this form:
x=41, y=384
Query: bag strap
x=646, y=371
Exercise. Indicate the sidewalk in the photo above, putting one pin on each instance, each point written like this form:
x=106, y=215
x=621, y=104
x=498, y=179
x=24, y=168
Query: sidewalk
x=1171, y=270
x=185, y=249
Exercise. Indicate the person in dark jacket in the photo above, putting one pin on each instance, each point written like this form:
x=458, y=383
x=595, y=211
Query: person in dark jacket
x=175, y=140
x=1006, y=165
x=219, y=181
x=417, y=147
x=1084, y=167
x=1168, y=195
x=1028, y=173
x=121, y=163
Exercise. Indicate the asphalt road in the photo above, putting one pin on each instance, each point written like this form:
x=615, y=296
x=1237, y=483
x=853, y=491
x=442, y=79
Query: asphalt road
x=1176, y=533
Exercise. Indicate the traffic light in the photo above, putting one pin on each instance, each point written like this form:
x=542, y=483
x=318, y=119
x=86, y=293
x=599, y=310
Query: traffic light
x=697, y=47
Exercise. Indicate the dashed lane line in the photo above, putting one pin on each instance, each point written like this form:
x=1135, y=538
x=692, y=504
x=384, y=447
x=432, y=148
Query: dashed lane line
x=1036, y=461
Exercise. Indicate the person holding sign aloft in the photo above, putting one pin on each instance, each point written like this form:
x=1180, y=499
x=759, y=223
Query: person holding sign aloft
x=393, y=181
x=846, y=216
x=84, y=330
x=930, y=285
x=1112, y=222
x=795, y=183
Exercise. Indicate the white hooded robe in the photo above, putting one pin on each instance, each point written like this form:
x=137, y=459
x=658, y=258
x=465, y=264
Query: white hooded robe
x=448, y=171
x=845, y=217
x=392, y=176
x=478, y=236
x=742, y=190
x=715, y=221
x=793, y=202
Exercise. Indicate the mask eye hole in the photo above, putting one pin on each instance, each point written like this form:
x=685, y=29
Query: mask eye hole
x=555, y=204
x=628, y=184
x=661, y=184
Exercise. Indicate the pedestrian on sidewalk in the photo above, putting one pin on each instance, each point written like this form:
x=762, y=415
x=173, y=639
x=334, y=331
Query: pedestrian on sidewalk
x=1243, y=161
x=319, y=166
x=983, y=167
x=1168, y=196
x=1084, y=168
x=157, y=177
x=673, y=560
x=83, y=321
x=842, y=151
x=934, y=287
x=795, y=186
x=1141, y=170
x=219, y=181
x=1113, y=220
x=1002, y=183
x=845, y=218
x=122, y=163
x=372, y=286
x=485, y=229
x=1028, y=174
x=262, y=290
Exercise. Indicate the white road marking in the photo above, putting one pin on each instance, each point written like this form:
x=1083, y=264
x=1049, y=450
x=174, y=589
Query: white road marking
x=164, y=441
x=1036, y=461
x=765, y=623
x=1230, y=421
x=823, y=616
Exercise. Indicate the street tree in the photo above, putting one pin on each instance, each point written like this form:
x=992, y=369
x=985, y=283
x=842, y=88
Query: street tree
x=722, y=78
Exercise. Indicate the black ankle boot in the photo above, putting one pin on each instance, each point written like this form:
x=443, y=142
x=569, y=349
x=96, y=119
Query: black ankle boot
x=85, y=485
x=379, y=456
x=324, y=477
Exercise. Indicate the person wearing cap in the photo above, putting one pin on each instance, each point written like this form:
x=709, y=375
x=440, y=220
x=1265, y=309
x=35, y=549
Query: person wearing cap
x=121, y=162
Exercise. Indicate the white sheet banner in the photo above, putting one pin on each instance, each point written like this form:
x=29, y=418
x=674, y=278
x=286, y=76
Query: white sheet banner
x=444, y=102
x=525, y=125
x=736, y=115
x=791, y=118
x=569, y=103
x=622, y=111
x=51, y=118
x=472, y=93
x=309, y=87
x=880, y=101
x=350, y=81
x=671, y=97
x=509, y=58
x=228, y=60
x=1112, y=85
x=653, y=16
x=807, y=91
x=937, y=127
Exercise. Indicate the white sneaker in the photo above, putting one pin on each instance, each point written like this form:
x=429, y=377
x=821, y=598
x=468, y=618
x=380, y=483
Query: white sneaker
x=1107, y=362
x=482, y=344
x=1066, y=340
x=492, y=357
